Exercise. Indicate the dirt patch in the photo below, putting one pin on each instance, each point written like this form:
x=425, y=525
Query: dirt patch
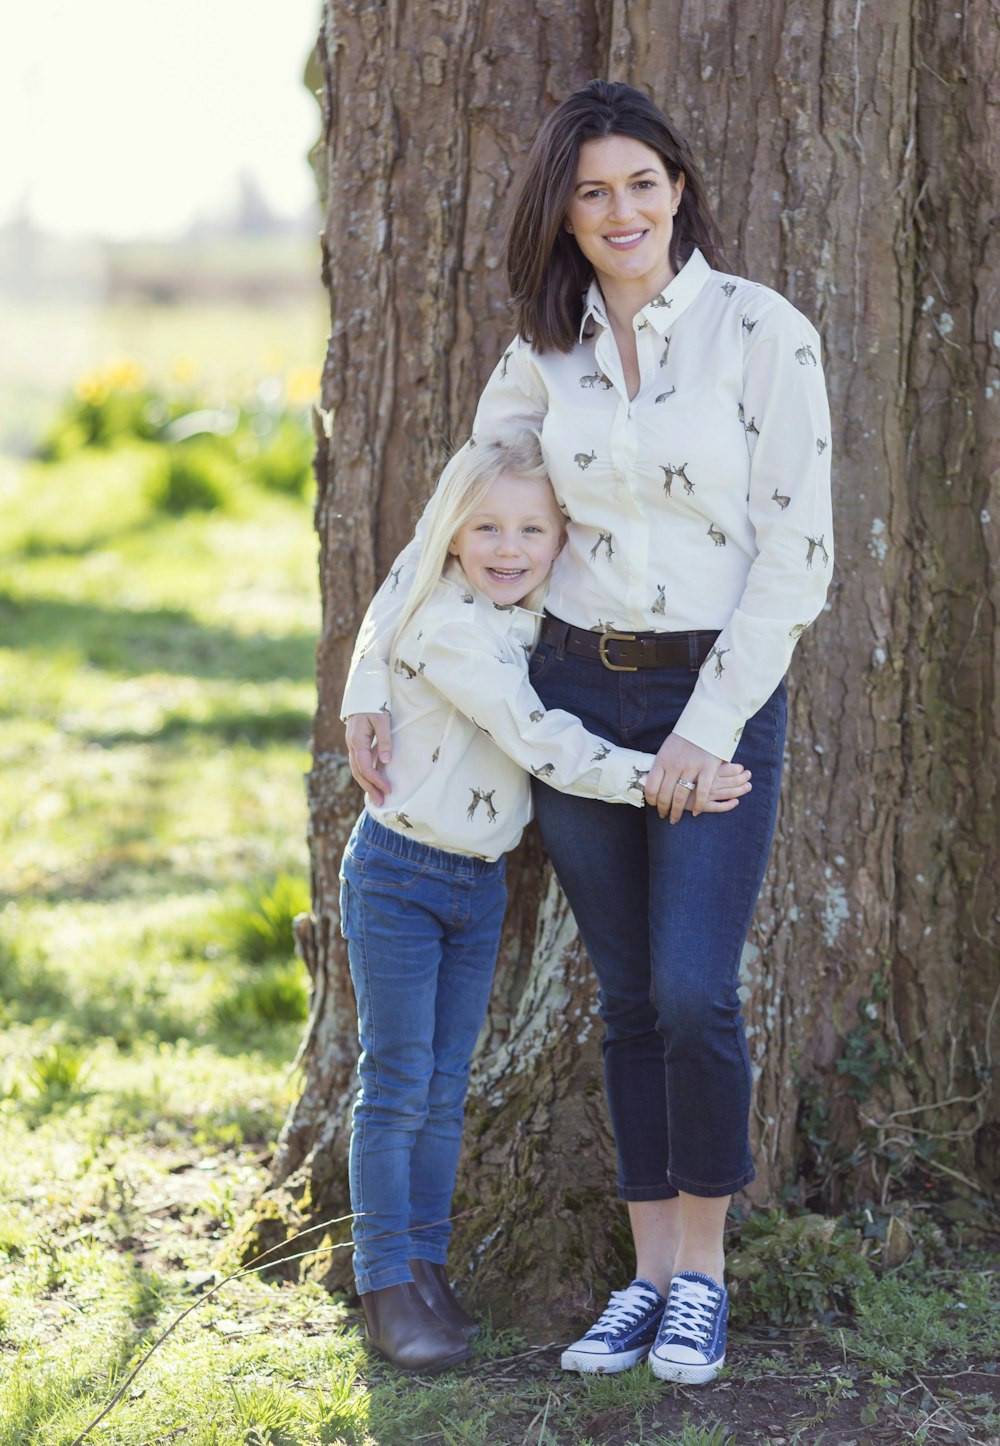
x=817, y=1398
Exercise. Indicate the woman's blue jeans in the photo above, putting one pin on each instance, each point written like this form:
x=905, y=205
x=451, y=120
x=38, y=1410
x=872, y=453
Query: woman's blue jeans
x=422, y=929
x=663, y=910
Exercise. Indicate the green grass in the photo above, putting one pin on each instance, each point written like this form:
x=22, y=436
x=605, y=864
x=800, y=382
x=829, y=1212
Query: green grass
x=156, y=678
x=259, y=927
x=147, y=666
x=907, y=1314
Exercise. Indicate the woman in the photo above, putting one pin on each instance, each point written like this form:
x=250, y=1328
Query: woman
x=686, y=432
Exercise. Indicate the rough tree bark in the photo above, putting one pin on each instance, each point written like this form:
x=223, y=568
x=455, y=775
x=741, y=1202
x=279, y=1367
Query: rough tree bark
x=853, y=157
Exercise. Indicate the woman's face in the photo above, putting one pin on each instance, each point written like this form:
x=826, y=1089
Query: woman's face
x=622, y=215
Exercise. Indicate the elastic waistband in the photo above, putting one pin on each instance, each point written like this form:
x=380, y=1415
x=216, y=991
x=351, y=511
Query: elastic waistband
x=625, y=652
x=391, y=842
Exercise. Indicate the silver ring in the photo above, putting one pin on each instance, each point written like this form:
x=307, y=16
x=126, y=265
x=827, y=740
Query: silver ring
x=687, y=783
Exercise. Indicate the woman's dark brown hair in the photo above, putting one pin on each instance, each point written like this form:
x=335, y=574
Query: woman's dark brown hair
x=547, y=271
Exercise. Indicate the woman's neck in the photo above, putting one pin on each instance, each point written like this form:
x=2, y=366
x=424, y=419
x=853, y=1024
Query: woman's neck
x=624, y=300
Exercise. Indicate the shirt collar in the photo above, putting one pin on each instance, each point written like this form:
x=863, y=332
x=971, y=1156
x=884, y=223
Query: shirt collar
x=663, y=310
x=500, y=620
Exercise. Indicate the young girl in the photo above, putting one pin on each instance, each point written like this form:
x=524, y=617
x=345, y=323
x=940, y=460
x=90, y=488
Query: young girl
x=423, y=874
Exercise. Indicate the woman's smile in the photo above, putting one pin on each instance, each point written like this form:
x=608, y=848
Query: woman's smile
x=620, y=242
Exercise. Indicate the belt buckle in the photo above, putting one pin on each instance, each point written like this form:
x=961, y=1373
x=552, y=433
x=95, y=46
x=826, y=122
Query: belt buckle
x=609, y=636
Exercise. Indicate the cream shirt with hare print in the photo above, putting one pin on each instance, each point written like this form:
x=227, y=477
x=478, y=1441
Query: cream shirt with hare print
x=702, y=503
x=468, y=729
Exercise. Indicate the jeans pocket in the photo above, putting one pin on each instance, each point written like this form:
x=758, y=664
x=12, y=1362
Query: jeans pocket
x=378, y=872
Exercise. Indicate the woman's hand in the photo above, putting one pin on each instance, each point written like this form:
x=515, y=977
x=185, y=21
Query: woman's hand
x=677, y=763
x=369, y=747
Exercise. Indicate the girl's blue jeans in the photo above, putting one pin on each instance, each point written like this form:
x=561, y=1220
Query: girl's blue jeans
x=422, y=929
x=664, y=910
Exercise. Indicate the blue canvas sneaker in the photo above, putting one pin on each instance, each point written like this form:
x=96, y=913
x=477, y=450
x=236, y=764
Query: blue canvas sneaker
x=691, y=1343
x=623, y=1335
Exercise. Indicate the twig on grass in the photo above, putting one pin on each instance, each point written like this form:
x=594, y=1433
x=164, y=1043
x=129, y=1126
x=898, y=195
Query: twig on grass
x=235, y=1275
x=940, y=1409
x=254, y=1269
x=510, y=1363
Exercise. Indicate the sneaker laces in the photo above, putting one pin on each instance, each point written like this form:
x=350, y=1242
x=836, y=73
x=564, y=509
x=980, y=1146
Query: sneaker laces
x=625, y=1307
x=691, y=1308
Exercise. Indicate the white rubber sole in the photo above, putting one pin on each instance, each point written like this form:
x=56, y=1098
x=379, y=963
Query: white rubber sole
x=589, y=1364
x=685, y=1375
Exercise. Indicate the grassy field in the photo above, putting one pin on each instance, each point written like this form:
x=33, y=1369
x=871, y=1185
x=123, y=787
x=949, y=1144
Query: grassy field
x=224, y=348
x=156, y=691
x=156, y=661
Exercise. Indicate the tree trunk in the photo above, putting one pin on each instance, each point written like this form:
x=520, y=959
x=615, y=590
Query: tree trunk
x=859, y=178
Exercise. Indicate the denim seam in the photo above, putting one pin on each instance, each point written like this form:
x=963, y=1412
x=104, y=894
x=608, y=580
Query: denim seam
x=368, y=1280
x=639, y=1193
x=700, y=1187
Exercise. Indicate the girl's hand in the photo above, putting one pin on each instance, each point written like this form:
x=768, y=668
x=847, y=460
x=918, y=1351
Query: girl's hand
x=369, y=747
x=680, y=760
x=731, y=782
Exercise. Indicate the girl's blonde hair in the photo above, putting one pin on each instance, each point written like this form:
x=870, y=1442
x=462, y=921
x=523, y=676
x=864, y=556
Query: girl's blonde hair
x=464, y=483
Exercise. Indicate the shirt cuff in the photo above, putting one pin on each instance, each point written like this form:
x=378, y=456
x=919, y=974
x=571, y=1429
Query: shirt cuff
x=717, y=730
x=367, y=691
x=623, y=775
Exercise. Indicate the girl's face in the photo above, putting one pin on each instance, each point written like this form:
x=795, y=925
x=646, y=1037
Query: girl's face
x=510, y=542
x=622, y=214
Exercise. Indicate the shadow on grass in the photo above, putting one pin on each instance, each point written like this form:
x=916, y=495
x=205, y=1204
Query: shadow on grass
x=134, y=1013
x=164, y=640
x=128, y=868
x=40, y=546
x=227, y=725
x=125, y=1012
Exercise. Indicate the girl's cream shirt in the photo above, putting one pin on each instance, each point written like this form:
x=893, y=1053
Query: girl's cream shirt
x=468, y=729
x=702, y=503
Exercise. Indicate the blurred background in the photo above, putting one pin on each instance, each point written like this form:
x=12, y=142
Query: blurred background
x=157, y=206
x=162, y=332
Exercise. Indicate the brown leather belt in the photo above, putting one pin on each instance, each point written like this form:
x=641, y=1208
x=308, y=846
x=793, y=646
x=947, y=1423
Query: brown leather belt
x=625, y=652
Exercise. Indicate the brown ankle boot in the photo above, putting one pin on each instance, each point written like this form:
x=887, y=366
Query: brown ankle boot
x=432, y=1282
x=404, y=1329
